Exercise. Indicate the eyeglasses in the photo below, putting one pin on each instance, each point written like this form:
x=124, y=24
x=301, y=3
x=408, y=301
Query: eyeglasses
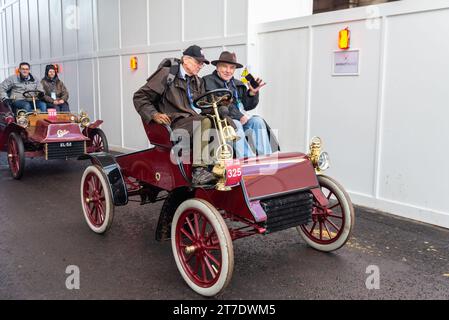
x=198, y=63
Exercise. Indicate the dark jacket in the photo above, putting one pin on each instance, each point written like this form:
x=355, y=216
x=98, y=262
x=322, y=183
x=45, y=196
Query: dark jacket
x=173, y=100
x=54, y=85
x=213, y=82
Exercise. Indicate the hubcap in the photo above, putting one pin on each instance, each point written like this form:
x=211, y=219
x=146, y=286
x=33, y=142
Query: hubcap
x=97, y=143
x=95, y=202
x=327, y=222
x=198, y=248
x=13, y=157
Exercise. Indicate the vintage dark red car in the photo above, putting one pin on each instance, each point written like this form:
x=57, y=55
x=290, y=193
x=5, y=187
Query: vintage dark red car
x=256, y=196
x=46, y=135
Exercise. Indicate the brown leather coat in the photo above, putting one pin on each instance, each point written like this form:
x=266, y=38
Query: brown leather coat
x=173, y=100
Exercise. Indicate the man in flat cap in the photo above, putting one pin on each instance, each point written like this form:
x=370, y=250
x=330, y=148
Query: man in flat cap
x=170, y=102
x=245, y=99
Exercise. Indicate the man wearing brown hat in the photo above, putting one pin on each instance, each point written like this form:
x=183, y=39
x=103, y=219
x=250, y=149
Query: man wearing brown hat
x=245, y=99
x=172, y=104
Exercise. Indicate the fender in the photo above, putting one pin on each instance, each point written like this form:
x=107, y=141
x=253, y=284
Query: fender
x=92, y=126
x=11, y=127
x=113, y=173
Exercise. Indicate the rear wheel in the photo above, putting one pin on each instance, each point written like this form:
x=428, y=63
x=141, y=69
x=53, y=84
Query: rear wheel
x=202, y=247
x=96, y=200
x=331, y=226
x=99, y=142
x=16, y=156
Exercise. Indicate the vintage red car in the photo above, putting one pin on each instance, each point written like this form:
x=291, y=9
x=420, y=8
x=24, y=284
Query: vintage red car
x=46, y=135
x=256, y=196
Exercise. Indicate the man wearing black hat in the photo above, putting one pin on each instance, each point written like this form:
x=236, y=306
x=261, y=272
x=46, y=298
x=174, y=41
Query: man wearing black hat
x=245, y=99
x=172, y=104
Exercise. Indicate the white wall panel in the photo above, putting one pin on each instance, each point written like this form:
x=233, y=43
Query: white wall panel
x=416, y=112
x=134, y=134
x=110, y=103
x=236, y=17
x=108, y=26
x=96, y=89
x=56, y=28
x=70, y=78
x=17, y=35
x=25, y=30
x=36, y=71
x=156, y=58
x=283, y=100
x=34, y=29
x=2, y=45
x=86, y=87
x=158, y=13
x=134, y=23
x=10, y=35
x=70, y=26
x=41, y=71
x=345, y=116
x=198, y=25
x=44, y=29
x=85, y=33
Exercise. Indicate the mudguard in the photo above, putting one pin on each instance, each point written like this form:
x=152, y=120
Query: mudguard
x=92, y=126
x=113, y=173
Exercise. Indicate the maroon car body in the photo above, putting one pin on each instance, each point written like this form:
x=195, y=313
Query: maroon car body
x=273, y=193
x=52, y=137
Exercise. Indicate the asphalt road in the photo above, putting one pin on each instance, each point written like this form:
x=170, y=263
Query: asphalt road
x=42, y=231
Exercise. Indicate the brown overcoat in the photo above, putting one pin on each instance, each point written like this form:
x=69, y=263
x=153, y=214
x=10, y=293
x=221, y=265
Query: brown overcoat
x=173, y=100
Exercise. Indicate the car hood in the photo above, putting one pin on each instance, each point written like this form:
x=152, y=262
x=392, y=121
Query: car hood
x=47, y=132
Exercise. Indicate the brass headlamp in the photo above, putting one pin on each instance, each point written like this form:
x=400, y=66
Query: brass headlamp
x=320, y=160
x=22, y=119
x=84, y=119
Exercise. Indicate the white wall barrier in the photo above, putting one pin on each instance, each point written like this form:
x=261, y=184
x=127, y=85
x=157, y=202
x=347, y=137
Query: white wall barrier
x=384, y=128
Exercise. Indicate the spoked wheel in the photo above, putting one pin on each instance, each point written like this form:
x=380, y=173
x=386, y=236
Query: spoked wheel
x=99, y=142
x=331, y=226
x=96, y=200
x=202, y=247
x=16, y=156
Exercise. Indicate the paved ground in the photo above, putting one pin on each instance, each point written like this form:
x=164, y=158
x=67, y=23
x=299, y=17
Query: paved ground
x=42, y=231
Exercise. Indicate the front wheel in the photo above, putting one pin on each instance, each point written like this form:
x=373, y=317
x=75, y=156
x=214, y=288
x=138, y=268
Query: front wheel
x=331, y=226
x=16, y=156
x=96, y=200
x=98, y=141
x=202, y=247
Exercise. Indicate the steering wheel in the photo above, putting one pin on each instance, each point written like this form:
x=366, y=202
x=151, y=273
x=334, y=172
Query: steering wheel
x=30, y=94
x=219, y=96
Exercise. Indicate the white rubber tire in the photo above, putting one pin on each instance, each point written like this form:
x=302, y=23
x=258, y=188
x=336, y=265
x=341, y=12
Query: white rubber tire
x=348, y=212
x=226, y=246
x=109, y=211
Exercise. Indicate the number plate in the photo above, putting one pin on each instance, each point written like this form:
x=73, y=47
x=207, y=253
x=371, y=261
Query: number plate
x=233, y=173
x=52, y=114
x=65, y=145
